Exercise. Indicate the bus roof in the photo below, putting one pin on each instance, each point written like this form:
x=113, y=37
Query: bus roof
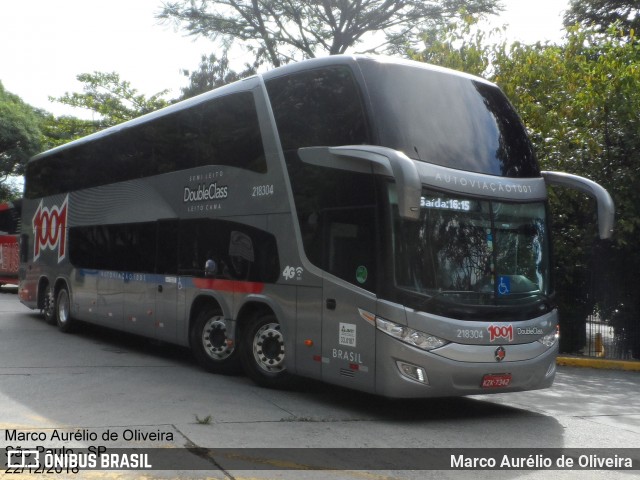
x=355, y=59
x=252, y=82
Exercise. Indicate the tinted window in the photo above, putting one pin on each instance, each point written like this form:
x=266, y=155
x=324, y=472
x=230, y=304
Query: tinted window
x=319, y=107
x=337, y=217
x=167, y=250
x=221, y=131
x=129, y=247
x=464, y=256
x=227, y=250
x=240, y=252
x=448, y=120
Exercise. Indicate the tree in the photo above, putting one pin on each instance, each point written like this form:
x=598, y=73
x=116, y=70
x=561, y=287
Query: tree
x=9, y=191
x=213, y=72
x=278, y=31
x=20, y=135
x=112, y=98
x=602, y=13
x=57, y=131
x=458, y=45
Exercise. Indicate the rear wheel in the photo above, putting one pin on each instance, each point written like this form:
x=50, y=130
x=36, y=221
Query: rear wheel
x=263, y=352
x=211, y=344
x=63, y=311
x=49, y=306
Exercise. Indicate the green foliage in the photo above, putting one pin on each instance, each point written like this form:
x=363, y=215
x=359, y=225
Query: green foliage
x=213, y=72
x=603, y=13
x=57, y=131
x=9, y=191
x=113, y=99
x=25, y=131
x=581, y=104
x=20, y=135
x=459, y=45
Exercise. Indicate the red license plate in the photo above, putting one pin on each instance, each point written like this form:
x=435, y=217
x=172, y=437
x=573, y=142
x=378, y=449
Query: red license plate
x=499, y=380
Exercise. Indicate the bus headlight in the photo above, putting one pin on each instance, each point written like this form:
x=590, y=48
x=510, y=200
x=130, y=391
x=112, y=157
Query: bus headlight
x=408, y=335
x=550, y=339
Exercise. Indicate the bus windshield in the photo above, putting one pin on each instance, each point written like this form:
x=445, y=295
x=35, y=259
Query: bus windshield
x=448, y=120
x=471, y=252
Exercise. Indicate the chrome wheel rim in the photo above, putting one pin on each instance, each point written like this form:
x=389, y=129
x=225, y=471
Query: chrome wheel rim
x=268, y=348
x=48, y=309
x=63, y=307
x=214, y=339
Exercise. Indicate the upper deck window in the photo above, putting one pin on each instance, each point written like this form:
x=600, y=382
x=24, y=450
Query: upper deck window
x=447, y=119
x=320, y=107
x=220, y=131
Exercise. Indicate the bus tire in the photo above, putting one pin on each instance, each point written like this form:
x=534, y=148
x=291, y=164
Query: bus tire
x=210, y=343
x=49, y=305
x=63, y=311
x=263, y=352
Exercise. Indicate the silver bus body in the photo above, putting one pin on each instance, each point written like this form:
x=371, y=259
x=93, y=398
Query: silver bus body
x=340, y=257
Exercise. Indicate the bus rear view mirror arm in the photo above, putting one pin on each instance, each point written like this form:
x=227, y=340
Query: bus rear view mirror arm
x=391, y=162
x=606, y=208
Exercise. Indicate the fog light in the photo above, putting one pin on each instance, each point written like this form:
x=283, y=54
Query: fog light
x=413, y=372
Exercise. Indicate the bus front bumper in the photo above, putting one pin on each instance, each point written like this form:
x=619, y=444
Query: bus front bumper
x=403, y=371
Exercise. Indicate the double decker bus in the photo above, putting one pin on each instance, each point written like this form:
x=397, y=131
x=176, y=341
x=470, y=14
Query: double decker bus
x=372, y=223
x=9, y=242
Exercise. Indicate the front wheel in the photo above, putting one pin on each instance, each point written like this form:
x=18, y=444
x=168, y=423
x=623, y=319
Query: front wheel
x=63, y=311
x=263, y=352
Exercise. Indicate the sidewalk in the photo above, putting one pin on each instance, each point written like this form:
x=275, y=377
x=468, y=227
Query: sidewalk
x=591, y=362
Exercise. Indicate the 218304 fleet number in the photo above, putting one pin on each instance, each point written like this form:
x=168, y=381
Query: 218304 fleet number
x=469, y=334
x=262, y=190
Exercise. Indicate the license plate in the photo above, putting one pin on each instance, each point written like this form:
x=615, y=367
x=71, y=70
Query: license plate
x=499, y=380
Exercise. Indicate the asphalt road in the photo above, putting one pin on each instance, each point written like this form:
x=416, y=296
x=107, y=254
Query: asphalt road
x=102, y=388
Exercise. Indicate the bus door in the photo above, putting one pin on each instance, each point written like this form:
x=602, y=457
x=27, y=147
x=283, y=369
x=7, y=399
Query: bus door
x=146, y=286
x=348, y=331
x=167, y=307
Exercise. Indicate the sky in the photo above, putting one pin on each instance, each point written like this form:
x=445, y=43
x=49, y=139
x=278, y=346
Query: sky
x=45, y=44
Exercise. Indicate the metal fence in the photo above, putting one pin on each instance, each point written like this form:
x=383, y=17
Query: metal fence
x=605, y=340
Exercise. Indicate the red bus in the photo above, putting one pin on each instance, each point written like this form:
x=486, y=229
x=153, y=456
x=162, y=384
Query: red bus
x=9, y=244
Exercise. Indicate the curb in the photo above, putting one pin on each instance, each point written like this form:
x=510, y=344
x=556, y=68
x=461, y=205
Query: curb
x=632, y=366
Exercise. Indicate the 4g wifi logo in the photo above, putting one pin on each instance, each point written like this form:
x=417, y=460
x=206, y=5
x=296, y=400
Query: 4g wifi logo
x=50, y=229
x=291, y=272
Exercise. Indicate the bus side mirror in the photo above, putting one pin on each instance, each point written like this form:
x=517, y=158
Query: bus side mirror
x=362, y=157
x=606, y=208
